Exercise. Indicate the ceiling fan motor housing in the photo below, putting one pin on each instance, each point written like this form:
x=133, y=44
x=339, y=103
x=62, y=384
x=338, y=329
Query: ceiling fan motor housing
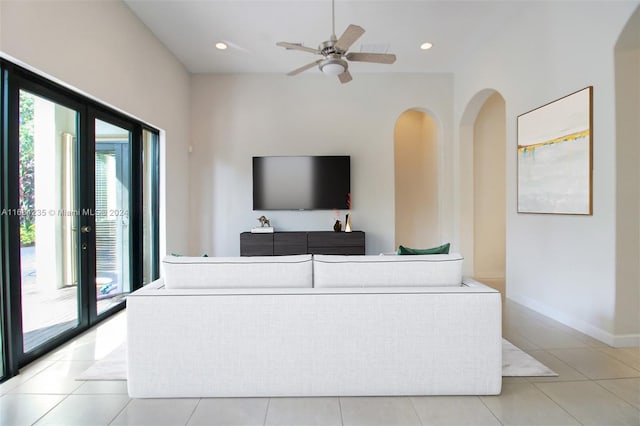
x=327, y=48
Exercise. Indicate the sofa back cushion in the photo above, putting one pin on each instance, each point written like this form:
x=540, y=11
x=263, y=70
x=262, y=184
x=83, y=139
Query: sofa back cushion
x=377, y=271
x=238, y=272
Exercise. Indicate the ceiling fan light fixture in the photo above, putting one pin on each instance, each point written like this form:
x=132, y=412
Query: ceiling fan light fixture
x=333, y=66
x=333, y=69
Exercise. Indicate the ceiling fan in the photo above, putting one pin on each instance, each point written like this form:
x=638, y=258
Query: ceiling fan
x=334, y=52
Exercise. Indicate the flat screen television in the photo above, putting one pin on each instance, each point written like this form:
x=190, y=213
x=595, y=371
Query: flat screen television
x=301, y=183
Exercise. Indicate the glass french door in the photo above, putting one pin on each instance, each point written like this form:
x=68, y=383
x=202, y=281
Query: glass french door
x=111, y=197
x=73, y=216
x=78, y=213
x=48, y=216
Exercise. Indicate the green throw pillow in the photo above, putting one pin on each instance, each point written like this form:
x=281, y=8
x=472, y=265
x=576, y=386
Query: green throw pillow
x=443, y=249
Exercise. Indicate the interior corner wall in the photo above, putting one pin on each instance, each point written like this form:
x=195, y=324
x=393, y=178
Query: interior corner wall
x=239, y=116
x=563, y=266
x=103, y=50
x=627, y=69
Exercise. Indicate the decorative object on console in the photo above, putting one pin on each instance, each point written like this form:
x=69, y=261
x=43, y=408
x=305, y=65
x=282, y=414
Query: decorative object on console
x=443, y=249
x=264, y=221
x=337, y=226
x=264, y=228
x=555, y=150
x=347, y=223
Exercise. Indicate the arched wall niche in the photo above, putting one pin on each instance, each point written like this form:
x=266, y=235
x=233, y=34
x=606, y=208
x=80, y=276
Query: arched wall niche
x=482, y=188
x=417, y=175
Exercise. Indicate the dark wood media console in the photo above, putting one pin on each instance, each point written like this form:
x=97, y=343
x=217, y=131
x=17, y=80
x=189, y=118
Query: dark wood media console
x=313, y=242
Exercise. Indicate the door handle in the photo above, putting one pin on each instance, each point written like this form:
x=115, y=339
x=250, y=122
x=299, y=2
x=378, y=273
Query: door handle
x=85, y=229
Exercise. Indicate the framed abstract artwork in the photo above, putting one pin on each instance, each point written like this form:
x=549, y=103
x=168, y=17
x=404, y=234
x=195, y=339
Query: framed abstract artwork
x=555, y=146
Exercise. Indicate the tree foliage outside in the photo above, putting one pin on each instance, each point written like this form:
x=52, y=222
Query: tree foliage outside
x=26, y=170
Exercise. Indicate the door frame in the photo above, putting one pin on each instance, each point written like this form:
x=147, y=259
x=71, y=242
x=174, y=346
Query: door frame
x=13, y=79
x=18, y=81
x=88, y=153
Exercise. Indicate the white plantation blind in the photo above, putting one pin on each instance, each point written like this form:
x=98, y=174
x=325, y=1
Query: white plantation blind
x=106, y=226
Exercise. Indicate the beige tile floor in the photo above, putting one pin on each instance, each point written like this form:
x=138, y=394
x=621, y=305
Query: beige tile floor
x=598, y=385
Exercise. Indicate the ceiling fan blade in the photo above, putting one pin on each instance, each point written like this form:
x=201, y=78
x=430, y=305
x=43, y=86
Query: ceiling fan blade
x=345, y=77
x=348, y=37
x=378, y=58
x=295, y=46
x=304, y=68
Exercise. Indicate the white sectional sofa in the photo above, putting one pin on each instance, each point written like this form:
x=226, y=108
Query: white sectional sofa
x=338, y=326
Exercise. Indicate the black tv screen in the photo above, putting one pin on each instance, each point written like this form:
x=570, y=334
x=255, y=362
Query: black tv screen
x=301, y=183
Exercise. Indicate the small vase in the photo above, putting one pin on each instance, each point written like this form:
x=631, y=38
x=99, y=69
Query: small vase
x=347, y=223
x=337, y=226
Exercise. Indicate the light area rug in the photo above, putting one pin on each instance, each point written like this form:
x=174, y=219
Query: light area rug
x=112, y=367
x=515, y=363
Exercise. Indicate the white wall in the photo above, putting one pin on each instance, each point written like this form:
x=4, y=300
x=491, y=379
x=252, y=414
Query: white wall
x=236, y=117
x=102, y=49
x=627, y=68
x=562, y=266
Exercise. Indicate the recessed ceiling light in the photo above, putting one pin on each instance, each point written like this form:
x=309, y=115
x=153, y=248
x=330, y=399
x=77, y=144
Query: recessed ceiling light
x=426, y=45
x=221, y=45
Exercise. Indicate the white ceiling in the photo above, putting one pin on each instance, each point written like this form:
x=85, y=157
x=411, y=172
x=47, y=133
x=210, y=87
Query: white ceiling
x=191, y=28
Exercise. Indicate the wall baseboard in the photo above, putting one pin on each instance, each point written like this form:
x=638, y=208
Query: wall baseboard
x=615, y=340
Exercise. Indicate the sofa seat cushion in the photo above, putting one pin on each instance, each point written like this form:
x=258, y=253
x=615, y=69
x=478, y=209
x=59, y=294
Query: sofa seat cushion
x=377, y=271
x=238, y=272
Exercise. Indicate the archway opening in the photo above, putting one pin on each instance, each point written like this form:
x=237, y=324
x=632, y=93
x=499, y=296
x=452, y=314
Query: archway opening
x=417, y=222
x=483, y=189
x=489, y=140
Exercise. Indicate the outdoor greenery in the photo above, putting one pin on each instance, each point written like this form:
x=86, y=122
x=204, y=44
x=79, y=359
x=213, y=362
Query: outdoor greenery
x=28, y=234
x=26, y=169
